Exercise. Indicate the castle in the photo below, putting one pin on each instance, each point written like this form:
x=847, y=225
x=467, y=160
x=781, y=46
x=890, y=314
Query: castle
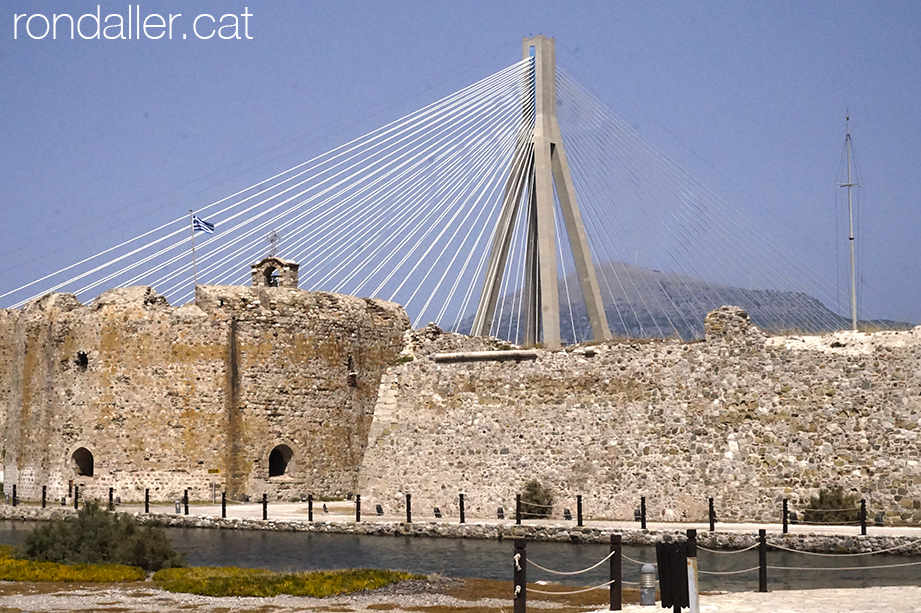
x=270, y=389
x=252, y=389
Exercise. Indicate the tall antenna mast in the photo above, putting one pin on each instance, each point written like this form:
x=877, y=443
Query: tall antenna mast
x=850, y=214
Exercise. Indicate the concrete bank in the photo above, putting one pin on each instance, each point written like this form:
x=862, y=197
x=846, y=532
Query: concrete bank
x=901, y=541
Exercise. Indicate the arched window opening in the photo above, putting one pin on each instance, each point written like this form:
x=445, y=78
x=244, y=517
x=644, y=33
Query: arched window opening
x=83, y=462
x=279, y=459
x=271, y=277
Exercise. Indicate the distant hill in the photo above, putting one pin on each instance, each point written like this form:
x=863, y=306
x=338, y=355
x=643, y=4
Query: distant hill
x=653, y=304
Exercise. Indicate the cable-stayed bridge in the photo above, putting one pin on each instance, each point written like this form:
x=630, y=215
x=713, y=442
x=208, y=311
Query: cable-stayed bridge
x=520, y=206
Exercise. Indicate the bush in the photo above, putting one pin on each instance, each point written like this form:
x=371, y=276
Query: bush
x=97, y=537
x=231, y=581
x=536, y=500
x=832, y=507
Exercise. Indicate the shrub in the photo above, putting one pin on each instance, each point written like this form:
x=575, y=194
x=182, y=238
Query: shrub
x=12, y=569
x=231, y=581
x=97, y=537
x=536, y=500
x=832, y=507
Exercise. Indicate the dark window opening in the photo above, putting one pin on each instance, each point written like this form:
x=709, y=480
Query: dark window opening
x=271, y=277
x=83, y=462
x=352, y=377
x=81, y=360
x=279, y=459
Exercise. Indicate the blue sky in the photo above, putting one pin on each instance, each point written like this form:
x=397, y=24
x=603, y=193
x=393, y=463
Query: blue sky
x=101, y=140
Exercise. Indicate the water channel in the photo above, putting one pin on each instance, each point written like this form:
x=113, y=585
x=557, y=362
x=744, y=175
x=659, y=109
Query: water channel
x=489, y=559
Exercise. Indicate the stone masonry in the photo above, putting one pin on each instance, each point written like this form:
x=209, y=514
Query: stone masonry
x=263, y=389
x=741, y=417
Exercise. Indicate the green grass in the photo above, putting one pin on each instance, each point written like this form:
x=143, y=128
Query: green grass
x=12, y=569
x=232, y=581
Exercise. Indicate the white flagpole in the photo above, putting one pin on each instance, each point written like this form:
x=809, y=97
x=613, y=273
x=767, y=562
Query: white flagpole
x=194, y=265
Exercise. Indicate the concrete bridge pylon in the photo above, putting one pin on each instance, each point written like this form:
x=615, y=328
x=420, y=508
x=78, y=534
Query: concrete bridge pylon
x=539, y=165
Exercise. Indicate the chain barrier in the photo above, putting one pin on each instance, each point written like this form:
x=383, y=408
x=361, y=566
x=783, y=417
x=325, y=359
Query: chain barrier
x=575, y=572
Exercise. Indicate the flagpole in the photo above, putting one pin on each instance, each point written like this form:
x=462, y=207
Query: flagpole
x=194, y=265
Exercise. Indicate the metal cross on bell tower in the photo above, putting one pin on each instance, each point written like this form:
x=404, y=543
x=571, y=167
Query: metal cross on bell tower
x=539, y=165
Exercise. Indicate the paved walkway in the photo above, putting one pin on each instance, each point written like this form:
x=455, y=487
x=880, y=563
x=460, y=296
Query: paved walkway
x=344, y=511
x=904, y=599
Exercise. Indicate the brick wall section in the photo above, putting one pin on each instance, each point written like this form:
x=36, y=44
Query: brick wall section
x=741, y=417
x=170, y=395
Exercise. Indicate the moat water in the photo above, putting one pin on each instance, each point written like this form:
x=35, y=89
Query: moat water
x=488, y=559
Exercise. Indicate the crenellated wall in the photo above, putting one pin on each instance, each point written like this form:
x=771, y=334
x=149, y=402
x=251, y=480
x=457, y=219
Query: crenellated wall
x=741, y=417
x=173, y=398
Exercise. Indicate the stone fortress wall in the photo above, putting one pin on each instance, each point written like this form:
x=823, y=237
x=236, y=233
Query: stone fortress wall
x=741, y=417
x=262, y=389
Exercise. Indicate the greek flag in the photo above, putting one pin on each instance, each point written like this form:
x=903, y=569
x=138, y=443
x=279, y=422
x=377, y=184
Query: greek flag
x=200, y=225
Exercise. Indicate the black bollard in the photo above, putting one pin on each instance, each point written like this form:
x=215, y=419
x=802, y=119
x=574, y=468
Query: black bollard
x=223, y=505
x=762, y=560
x=265, y=505
x=15, y=498
x=357, y=507
x=786, y=516
x=643, y=512
x=185, y=501
x=111, y=499
x=614, y=574
x=76, y=497
x=44, y=495
x=309, y=507
x=517, y=508
x=520, y=576
x=147, y=500
x=579, y=511
x=863, y=517
x=461, y=508
x=409, y=508
x=712, y=517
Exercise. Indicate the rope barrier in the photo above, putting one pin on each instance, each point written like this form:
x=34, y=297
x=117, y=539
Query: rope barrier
x=826, y=510
x=575, y=572
x=626, y=557
x=846, y=555
x=729, y=572
x=750, y=547
x=843, y=567
x=582, y=591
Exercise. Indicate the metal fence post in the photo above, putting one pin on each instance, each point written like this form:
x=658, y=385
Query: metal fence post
x=15, y=499
x=579, y=514
x=185, y=501
x=147, y=500
x=309, y=507
x=76, y=497
x=357, y=507
x=517, y=508
x=461, y=508
x=409, y=508
x=762, y=560
x=265, y=505
x=520, y=576
x=712, y=516
x=616, y=565
x=786, y=516
x=44, y=495
x=643, y=512
x=224, y=505
x=863, y=517
x=111, y=498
